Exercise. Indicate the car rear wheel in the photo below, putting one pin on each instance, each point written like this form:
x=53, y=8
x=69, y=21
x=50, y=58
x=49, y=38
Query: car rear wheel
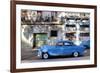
x=75, y=54
x=45, y=55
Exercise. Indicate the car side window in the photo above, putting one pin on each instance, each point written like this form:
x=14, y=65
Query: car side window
x=60, y=43
x=67, y=44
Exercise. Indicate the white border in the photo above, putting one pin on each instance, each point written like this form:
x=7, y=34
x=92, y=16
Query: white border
x=20, y=65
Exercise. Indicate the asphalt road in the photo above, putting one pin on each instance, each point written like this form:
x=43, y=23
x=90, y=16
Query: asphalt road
x=57, y=59
x=32, y=57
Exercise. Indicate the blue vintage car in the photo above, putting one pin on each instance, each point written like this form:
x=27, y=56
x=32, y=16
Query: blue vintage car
x=61, y=48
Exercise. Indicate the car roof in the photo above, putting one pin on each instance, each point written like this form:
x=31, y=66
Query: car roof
x=65, y=41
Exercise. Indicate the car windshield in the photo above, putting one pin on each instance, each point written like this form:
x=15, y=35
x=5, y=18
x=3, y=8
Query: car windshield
x=52, y=42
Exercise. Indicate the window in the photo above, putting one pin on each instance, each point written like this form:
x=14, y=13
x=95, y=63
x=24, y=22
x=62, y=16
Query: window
x=84, y=34
x=67, y=44
x=60, y=43
x=53, y=33
x=69, y=34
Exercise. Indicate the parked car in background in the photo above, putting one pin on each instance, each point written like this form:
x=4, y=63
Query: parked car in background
x=62, y=48
x=86, y=44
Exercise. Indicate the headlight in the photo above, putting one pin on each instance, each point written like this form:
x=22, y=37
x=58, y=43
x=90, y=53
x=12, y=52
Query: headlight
x=39, y=53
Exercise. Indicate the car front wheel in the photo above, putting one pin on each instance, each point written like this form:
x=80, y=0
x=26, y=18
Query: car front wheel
x=45, y=55
x=75, y=54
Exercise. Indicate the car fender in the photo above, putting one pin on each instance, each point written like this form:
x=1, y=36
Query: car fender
x=44, y=50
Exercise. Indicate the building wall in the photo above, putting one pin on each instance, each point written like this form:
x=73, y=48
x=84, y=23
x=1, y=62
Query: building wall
x=73, y=25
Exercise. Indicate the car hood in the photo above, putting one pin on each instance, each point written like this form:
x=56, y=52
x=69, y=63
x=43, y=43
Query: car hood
x=47, y=47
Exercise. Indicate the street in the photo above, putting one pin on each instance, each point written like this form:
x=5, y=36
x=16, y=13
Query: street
x=32, y=57
x=56, y=59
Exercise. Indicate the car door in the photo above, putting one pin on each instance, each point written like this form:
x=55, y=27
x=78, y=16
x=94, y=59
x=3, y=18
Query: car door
x=59, y=48
x=67, y=48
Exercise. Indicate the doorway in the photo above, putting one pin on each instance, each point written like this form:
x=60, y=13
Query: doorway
x=39, y=39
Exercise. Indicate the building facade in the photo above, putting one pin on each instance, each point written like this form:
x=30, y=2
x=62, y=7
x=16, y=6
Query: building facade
x=47, y=27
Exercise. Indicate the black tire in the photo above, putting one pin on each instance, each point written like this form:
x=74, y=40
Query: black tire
x=75, y=54
x=45, y=55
